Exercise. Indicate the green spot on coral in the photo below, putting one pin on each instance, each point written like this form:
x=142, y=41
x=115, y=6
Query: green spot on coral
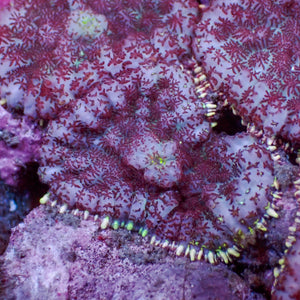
x=129, y=226
x=77, y=63
x=221, y=219
x=115, y=225
x=144, y=232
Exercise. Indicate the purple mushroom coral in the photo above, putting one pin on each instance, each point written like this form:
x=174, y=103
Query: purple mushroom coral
x=127, y=95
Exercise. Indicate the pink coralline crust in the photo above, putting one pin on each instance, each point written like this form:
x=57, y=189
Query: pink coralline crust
x=3, y=3
x=250, y=51
x=19, y=144
x=66, y=258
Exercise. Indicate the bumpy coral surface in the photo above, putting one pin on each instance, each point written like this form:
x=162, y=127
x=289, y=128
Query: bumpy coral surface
x=250, y=51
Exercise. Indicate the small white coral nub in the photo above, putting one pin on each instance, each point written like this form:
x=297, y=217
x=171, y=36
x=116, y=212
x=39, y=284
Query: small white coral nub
x=86, y=25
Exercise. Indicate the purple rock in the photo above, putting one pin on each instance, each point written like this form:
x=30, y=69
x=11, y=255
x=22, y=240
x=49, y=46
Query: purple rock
x=19, y=143
x=55, y=256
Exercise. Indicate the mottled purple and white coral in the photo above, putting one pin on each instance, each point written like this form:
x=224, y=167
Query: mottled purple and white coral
x=160, y=160
x=250, y=52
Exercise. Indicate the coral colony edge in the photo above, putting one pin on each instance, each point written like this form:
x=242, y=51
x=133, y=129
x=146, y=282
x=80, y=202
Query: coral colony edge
x=124, y=105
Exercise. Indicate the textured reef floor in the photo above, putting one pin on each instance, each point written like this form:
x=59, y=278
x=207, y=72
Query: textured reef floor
x=54, y=256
